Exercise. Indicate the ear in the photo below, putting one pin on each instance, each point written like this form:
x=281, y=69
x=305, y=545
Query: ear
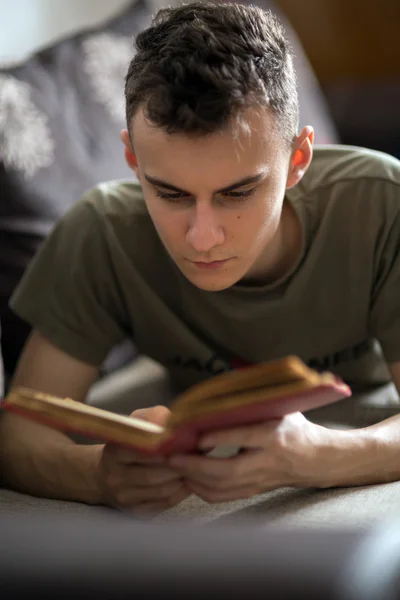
x=129, y=153
x=302, y=152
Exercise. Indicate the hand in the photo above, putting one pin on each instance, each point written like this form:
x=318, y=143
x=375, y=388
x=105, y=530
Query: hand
x=134, y=482
x=284, y=452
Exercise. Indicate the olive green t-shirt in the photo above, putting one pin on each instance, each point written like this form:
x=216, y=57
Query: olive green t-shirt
x=103, y=275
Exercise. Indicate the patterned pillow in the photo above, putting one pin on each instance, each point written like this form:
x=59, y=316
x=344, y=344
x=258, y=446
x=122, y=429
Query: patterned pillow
x=61, y=112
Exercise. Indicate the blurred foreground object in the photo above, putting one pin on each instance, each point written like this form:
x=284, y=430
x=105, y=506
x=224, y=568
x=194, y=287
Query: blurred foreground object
x=113, y=556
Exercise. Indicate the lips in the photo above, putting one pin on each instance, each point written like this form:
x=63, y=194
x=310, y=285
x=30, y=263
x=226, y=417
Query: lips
x=215, y=264
x=209, y=262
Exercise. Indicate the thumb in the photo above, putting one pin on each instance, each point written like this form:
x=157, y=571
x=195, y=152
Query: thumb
x=155, y=414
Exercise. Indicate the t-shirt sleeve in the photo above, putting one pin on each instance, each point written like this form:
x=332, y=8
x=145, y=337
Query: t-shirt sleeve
x=70, y=292
x=385, y=301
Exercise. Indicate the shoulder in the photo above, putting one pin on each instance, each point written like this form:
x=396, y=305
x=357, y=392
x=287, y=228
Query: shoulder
x=110, y=220
x=340, y=165
x=115, y=201
x=118, y=221
x=350, y=180
x=115, y=210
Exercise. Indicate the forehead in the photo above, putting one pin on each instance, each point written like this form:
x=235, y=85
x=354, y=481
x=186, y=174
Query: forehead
x=253, y=139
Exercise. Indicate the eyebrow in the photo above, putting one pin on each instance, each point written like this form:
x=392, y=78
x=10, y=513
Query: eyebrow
x=245, y=181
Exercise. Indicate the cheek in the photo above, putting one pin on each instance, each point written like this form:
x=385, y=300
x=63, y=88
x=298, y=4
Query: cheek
x=256, y=225
x=259, y=221
x=261, y=215
x=273, y=197
x=168, y=223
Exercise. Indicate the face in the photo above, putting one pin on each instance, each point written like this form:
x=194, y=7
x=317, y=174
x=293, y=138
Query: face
x=216, y=201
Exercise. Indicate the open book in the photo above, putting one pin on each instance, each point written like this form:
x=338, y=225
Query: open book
x=265, y=391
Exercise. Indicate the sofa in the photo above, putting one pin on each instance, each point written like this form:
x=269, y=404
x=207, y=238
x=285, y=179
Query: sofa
x=70, y=95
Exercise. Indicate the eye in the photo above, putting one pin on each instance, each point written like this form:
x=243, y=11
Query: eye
x=175, y=197
x=239, y=195
x=171, y=197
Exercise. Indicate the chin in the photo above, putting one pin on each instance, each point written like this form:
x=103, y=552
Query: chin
x=211, y=286
x=212, y=280
x=212, y=283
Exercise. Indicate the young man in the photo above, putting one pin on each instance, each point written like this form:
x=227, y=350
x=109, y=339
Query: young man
x=237, y=246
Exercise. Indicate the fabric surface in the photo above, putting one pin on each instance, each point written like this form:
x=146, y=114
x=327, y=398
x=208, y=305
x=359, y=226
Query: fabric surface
x=354, y=507
x=339, y=298
x=347, y=507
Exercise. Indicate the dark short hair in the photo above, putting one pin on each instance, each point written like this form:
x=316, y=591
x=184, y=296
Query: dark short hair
x=199, y=65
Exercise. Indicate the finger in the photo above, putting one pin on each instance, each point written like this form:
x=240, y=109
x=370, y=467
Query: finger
x=131, y=497
x=180, y=495
x=150, y=508
x=213, y=495
x=145, y=475
x=195, y=466
x=159, y=492
x=249, y=436
x=127, y=456
x=156, y=414
x=258, y=479
x=224, y=483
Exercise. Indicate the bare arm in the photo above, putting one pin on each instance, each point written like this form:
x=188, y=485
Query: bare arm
x=44, y=462
x=365, y=456
x=294, y=452
x=386, y=439
x=377, y=447
x=36, y=459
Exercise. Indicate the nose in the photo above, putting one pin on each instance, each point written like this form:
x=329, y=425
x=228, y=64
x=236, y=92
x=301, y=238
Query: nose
x=204, y=231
